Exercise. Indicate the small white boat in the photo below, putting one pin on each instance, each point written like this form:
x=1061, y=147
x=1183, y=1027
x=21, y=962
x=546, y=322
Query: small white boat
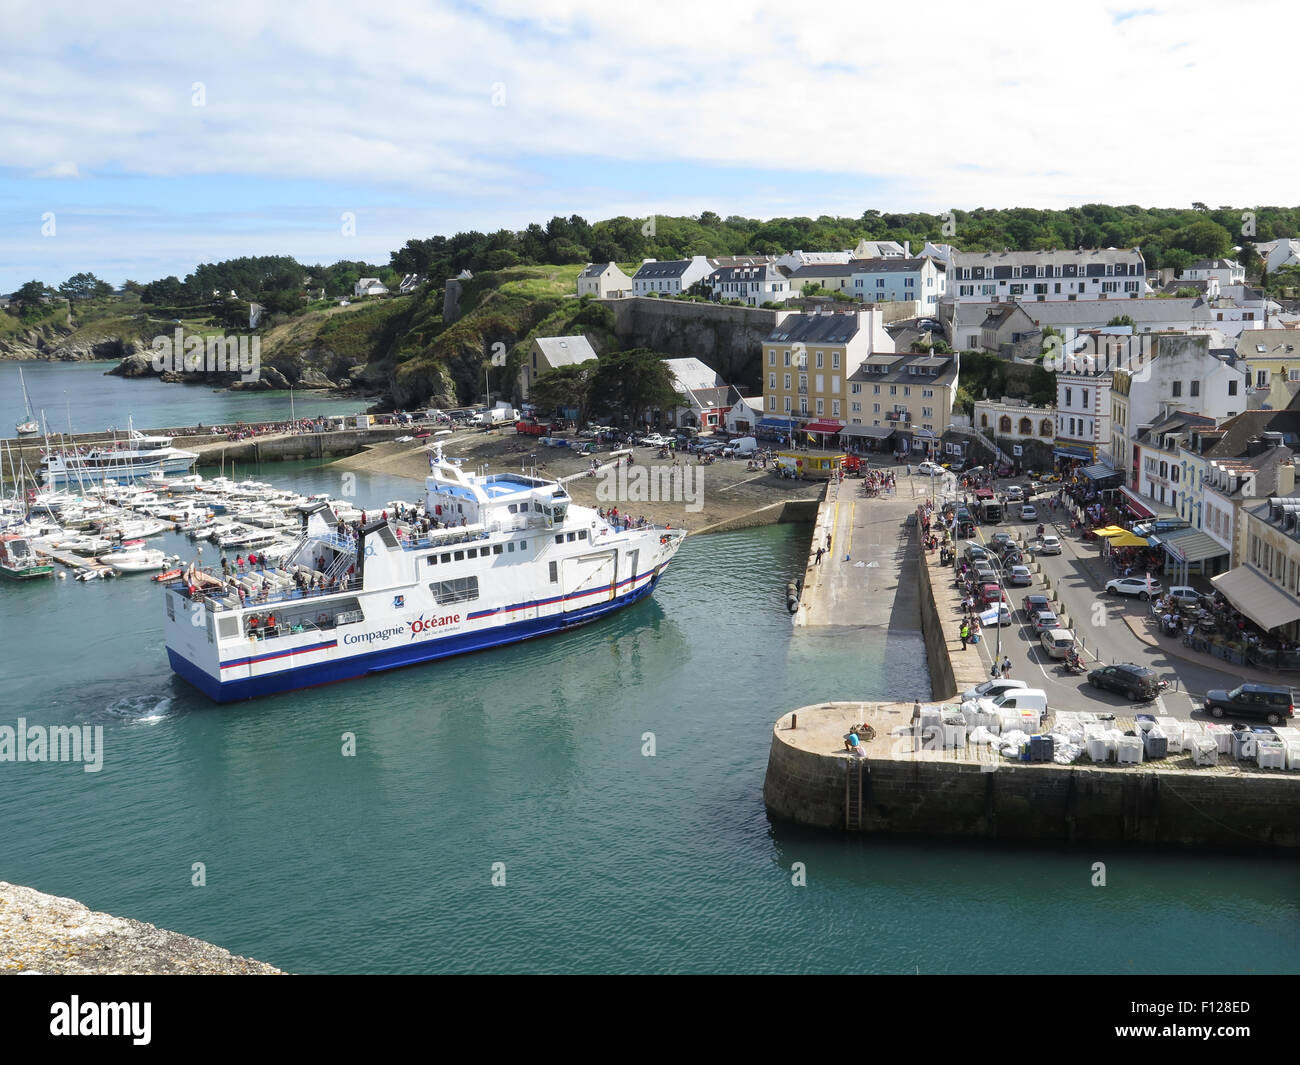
x=138, y=561
x=86, y=545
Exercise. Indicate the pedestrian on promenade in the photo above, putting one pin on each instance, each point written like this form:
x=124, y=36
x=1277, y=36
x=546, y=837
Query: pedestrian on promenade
x=964, y=634
x=1006, y=666
x=820, y=551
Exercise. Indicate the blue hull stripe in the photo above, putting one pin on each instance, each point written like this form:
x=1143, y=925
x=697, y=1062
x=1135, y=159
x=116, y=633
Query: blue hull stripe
x=395, y=657
x=553, y=599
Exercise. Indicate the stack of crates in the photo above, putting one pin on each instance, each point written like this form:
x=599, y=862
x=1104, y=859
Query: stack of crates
x=1041, y=748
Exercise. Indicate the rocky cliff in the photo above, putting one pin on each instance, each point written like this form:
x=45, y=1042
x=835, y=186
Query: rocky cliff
x=42, y=933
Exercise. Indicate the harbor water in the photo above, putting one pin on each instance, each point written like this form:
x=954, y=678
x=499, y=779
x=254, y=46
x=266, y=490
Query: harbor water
x=589, y=802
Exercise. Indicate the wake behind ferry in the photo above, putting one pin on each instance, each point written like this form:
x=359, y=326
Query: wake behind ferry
x=514, y=558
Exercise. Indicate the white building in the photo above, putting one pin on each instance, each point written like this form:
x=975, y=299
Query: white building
x=745, y=414
x=754, y=285
x=922, y=280
x=1279, y=253
x=370, y=286
x=793, y=260
x=550, y=353
x=604, y=281
x=1225, y=271
x=670, y=278
x=1046, y=276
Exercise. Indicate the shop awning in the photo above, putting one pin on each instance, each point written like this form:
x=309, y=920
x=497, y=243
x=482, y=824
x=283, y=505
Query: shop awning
x=824, y=426
x=1110, y=530
x=1072, y=452
x=776, y=423
x=1141, y=507
x=1127, y=539
x=1191, y=545
x=1267, y=605
x=875, y=432
x=1100, y=472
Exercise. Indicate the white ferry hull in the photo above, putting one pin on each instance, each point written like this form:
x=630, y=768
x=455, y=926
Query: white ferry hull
x=268, y=671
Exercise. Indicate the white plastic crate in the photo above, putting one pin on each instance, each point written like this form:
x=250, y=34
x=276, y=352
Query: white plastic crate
x=1293, y=755
x=1270, y=755
x=1205, y=752
x=1221, y=734
x=1098, y=748
x=954, y=735
x=1128, y=750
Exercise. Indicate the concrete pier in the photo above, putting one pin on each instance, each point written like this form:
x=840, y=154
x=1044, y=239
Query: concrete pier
x=969, y=792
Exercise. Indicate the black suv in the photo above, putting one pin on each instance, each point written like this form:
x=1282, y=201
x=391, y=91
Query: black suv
x=1270, y=701
x=1135, y=683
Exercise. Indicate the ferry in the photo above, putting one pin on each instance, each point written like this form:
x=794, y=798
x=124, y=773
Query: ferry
x=143, y=457
x=513, y=558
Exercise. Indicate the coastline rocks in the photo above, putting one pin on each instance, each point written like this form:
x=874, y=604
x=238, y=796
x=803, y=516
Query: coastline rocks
x=137, y=365
x=310, y=377
x=55, y=936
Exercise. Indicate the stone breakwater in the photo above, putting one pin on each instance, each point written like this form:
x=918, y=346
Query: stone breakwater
x=910, y=788
x=42, y=933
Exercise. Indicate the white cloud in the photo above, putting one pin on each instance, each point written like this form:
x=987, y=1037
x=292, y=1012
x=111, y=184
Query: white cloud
x=1003, y=104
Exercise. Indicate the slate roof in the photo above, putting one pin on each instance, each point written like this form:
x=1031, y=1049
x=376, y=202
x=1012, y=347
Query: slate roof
x=815, y=329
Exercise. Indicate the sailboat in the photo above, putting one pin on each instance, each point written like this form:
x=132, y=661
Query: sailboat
x=28, y=427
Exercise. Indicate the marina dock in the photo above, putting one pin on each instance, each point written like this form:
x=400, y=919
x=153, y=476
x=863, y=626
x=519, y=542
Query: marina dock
x=73, y=561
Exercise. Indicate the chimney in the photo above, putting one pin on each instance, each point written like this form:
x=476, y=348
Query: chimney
x=1286, y=479
x=907, y=249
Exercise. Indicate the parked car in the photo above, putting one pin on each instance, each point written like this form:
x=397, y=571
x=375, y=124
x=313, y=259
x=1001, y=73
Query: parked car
x=929, y=469
x=1142, y=587
x=1185, y=595
x=1028, y=512
x=1045, y=620
x=1014, y=493
x=1048, y=545
x=1057, y=642
x=991, y=689
x=984, y=572
x=1001, y=538
x=1035, y=604
x=1005, y=616
x=1272, y=702
x=1135, y=683
x=1019, y=576
x=972, y=552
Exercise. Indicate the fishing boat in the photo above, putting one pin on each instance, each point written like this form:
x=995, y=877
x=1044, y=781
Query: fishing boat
x=142, y=457
x=513, y=558
x=18, y=562
x=27, y=427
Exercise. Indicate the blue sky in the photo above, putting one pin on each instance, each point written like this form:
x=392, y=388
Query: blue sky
x=159, y=138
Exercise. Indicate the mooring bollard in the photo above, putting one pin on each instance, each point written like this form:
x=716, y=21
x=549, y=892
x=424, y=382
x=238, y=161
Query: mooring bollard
x=794, y=720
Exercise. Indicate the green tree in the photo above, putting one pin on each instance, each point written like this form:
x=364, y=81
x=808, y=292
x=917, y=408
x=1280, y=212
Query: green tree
x=32, y=296
x=84, y=286
x=565, y=387
x=1204, y=239
x=1121, y=319
x=632, y=383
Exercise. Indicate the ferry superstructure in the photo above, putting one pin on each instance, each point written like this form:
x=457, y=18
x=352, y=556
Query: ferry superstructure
x=514, y=558
x=143, y=456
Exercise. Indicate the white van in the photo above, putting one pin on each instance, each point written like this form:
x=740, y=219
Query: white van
x=742, y=447
x=1021, y=699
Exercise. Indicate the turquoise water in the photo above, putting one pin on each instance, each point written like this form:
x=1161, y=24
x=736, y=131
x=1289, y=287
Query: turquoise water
x=94, y=401
x=531, y=756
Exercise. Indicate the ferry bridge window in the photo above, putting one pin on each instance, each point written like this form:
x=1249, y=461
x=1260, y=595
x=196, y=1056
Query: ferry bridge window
x=560, y=539
x=472, y=553
x=572, y=537
x=523, y=545
x=555, y=573
x=496, y=549
x=582, y=534
x=510, y=547
x=446, y=557
x=460, y=590
x=432, y=560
